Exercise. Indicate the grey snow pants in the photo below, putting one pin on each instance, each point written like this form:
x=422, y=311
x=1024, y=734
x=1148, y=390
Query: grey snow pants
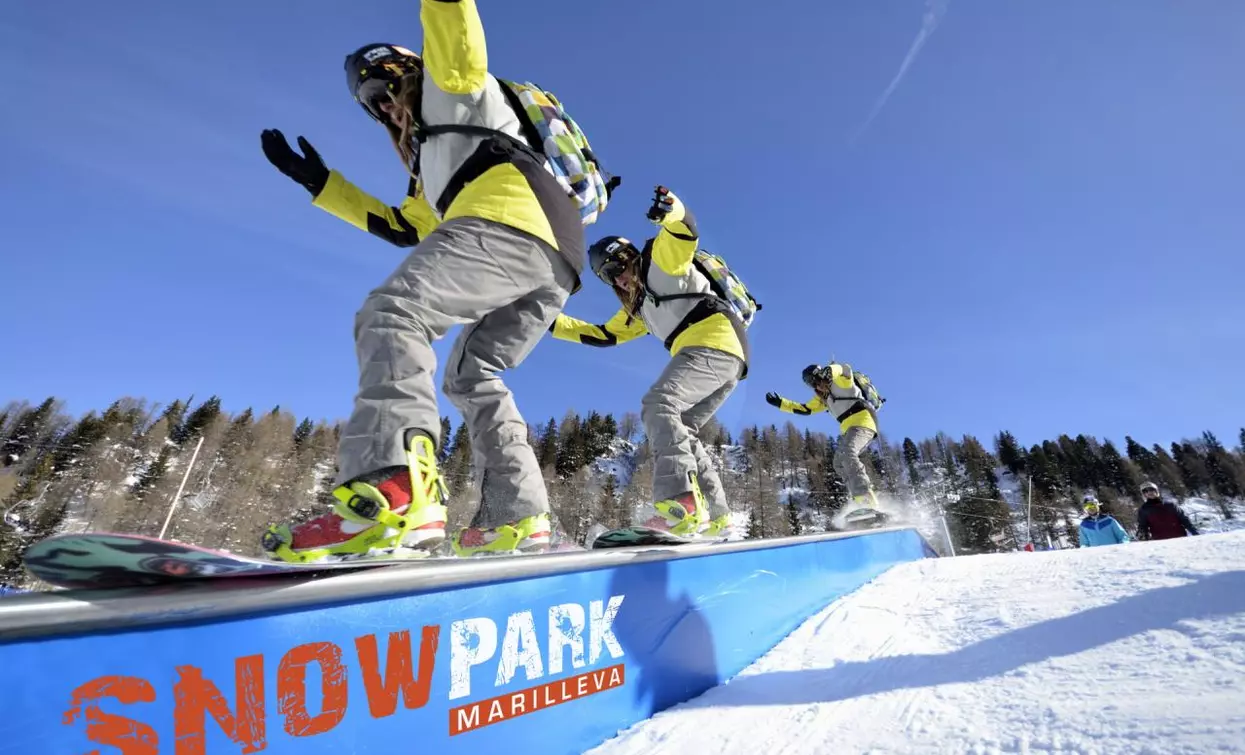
x=506, y=287
x=694, y=385
x=847, y=460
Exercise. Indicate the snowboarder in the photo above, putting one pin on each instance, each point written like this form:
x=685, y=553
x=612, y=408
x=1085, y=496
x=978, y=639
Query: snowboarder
x=709, y=356
x=498, y=248
x=1161, y=520
x=1098, y=528
x=851, y=399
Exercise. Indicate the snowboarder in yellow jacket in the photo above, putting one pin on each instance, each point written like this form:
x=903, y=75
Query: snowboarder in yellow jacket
x=498, y=248
x=836, y=390
x=663, y=293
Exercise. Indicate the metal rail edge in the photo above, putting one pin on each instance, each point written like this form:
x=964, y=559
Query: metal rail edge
x=71, y=612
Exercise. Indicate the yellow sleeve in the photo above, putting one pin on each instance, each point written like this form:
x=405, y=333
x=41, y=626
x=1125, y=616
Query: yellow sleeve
x=676, y=242
x=616, y=330
x=401, y=226
x=812, y=406
x=454, y=51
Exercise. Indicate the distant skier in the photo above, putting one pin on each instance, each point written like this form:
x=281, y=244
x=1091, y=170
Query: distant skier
x=850, y=398
x=708, y=349
x=1098, y=528
x=1161, y=520
x=499, y=248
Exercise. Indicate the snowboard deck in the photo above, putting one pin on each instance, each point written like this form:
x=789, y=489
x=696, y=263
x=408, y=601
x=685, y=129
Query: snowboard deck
x=94, y=560
x=865, y=519
x=626, y=537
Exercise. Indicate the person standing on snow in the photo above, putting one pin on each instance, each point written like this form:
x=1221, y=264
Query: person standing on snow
x=1098, y=528
x=1161, y=520
x=837, y=391
x=498, y=248
x=709, y=356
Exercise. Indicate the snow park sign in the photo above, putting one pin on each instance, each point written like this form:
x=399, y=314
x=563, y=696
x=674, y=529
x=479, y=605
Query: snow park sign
x=548, y=654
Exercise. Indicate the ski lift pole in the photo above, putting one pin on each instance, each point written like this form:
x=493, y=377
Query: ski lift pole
x=946, y=531
x=1029, y=512
x=178, y=495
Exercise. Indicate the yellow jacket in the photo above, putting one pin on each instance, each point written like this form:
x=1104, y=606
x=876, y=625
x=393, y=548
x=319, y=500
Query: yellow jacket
x=666, y=269
x=470, y=175
x=844, y=402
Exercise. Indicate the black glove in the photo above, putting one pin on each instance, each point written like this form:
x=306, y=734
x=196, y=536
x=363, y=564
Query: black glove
x=663, y=203
x=773, y=399
x=309, y=171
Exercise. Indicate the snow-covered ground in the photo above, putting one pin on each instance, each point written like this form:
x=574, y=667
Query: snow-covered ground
x=1128, y=649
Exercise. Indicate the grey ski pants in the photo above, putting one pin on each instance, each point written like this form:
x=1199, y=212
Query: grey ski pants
x=847, y=460
x=694, y=385
x=506, y=287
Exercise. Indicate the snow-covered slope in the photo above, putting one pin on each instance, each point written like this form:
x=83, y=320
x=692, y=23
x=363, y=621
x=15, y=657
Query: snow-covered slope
x=1128, y=649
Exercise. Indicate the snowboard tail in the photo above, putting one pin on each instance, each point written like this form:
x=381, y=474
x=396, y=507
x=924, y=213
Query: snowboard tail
x=96, y=560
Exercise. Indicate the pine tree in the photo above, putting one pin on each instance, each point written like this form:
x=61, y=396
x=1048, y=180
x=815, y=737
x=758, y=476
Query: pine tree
x=613, y=510
x=1011, y=455
x=200, y=418
x=1118, y=473
x=23, y=437
x=458, y=460
x=912, y=460
x=443, y=453
x=547, y=447
x=1224, y=471
x=1192, y=468
x=303, y=432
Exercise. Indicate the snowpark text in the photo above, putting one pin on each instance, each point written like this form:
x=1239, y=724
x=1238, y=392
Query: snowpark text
x=571, y=637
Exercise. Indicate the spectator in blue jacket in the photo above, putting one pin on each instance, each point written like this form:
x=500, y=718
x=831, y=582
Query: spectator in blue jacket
x=1098, y=528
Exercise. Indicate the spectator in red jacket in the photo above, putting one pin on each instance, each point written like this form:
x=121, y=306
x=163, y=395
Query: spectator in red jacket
x=1160, y=520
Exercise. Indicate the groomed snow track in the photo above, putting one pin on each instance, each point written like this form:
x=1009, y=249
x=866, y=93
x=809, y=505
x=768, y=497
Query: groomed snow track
x=547, y=654
x=1136, y=649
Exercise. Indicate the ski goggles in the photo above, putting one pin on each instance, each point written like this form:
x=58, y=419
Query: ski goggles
x=374, y=92
x=1150, y=492
x=616, y=264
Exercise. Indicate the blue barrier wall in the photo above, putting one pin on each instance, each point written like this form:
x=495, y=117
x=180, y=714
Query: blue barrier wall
x=551, y=664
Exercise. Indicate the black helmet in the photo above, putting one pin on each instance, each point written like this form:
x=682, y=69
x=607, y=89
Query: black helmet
x=810, y=375
x=375, y=69
x=609, y=256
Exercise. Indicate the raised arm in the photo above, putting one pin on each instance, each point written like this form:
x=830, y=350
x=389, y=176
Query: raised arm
x=616, y=330
x=677, y=241
x=455, y=55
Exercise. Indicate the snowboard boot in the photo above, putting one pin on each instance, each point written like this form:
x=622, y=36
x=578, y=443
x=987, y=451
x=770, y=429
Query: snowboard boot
x=528, y=535
x=682, y=515
x=867, y=501
x=395, y=507
x=719, y=527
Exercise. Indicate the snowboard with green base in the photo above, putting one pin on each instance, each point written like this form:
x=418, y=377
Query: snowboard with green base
x=627, y=537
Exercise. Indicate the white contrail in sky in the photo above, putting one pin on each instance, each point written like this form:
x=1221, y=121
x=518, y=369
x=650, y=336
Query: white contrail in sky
x=934, y=11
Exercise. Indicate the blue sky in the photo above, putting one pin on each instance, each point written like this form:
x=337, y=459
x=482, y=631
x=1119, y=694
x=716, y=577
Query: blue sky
x=1040, y=229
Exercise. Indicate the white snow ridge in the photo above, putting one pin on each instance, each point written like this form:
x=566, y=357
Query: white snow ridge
x=1138, y=648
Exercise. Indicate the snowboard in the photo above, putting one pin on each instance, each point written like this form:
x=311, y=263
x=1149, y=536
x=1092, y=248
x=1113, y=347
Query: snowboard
x=626, y=537
x=865, y=519
x=95, y=560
